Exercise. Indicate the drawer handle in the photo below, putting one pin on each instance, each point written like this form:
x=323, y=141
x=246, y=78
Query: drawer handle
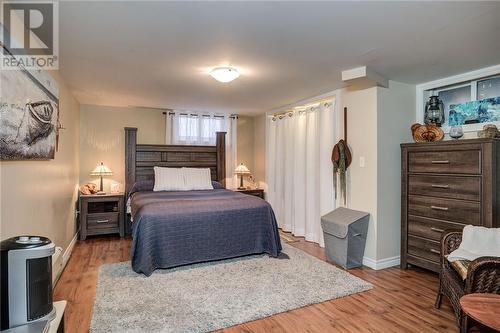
x=437, y=230
x=440, y=162
x=440, y=208
x=440, y=186
x=102, y=221
x=435, y=251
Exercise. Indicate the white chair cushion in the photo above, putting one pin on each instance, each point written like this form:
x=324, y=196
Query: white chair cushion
x=477, y=242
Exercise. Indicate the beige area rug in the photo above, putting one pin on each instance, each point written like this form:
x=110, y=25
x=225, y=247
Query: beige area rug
x=215, y=295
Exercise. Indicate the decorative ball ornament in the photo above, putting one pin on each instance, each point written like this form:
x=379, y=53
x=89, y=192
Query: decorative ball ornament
x=426, y=133
x=456, y=132
x=489, y=131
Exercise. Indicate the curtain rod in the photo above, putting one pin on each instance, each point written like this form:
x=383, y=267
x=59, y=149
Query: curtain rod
x=170, y=113
x=303, y=107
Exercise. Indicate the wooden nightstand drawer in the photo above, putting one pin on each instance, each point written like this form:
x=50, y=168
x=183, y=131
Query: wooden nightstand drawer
x=257, y=192
x=103, y=221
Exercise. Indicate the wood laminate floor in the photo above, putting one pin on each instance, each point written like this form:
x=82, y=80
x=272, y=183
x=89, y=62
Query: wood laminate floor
x=401, y=301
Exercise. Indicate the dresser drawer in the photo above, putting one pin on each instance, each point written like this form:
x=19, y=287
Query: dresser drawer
x=451, y=187
x=424, y=248
x=430, y=228
x=103, y=221
x=451, y=161
x=445, y=209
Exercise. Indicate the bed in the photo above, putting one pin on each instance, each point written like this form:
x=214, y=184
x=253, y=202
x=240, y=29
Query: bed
x=174, y=228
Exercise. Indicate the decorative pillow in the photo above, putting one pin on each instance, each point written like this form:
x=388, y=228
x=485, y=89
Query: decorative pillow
x=461, y=267
x=169, y=179
x=197, y=179
x=142, y=185
x=216, y=185
x=148, y=185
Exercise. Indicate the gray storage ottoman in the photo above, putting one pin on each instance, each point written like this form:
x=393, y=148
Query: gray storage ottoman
x=345, y=236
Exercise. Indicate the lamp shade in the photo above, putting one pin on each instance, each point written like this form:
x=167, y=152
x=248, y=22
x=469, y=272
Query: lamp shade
x=242, y=170
x=101, y=170
x=225, y=74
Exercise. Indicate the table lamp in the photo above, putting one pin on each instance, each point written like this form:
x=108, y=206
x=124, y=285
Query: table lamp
x=241, y=170
x=101, y=170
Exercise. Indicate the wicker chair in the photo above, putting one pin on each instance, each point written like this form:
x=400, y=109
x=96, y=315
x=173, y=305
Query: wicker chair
x=483, y=276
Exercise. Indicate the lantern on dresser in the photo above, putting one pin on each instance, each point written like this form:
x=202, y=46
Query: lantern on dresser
x=434, y=111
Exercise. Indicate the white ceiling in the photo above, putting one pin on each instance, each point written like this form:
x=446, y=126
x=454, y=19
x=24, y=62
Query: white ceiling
x=157, y=54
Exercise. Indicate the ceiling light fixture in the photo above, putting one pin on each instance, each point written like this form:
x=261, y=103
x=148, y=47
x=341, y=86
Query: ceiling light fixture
x=224, y=74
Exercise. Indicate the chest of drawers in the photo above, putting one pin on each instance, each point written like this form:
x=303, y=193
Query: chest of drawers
x=446, y=185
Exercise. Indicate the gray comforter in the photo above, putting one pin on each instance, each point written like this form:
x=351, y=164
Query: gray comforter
x=178, y=228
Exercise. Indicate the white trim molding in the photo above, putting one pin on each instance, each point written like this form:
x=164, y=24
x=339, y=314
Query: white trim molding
x=65, y=258
x=69, y=250
x=452, y=81
x=331, y=94
x=382, y=263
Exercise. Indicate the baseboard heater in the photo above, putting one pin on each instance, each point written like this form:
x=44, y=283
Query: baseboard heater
x=57, y=264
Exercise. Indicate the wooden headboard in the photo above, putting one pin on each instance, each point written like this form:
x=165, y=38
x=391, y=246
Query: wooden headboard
x=141, y=158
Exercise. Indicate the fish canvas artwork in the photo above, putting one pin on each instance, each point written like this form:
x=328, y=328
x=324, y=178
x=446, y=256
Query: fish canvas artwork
x=29, y=115
x=482, y=111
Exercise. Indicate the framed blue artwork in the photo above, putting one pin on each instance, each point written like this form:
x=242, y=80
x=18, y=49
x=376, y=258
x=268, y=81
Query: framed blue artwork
x=475, y=112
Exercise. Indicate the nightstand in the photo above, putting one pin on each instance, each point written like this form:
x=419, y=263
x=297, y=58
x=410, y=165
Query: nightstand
x=101, y=214
x=258, y=192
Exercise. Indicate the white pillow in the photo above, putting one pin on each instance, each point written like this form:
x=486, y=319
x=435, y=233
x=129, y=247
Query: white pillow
x=197, y=179
x=169, y=179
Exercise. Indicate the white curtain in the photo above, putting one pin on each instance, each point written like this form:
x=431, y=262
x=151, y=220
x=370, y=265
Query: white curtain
x=191, y=128
x=299, y=169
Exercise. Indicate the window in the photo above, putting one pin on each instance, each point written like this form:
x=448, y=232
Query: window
x=193, y=129
x=488, y=88
x=190, y=128
x=454, y=95
x=471, y=92
x=468, y=98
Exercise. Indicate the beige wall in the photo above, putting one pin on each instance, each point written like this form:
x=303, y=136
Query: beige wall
x=362, y=140
x=252, y=147
x=245, y=142
x=394, y=118
x=379, y=119
x=38, y=197
x=102, y=138
x=259, y=150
